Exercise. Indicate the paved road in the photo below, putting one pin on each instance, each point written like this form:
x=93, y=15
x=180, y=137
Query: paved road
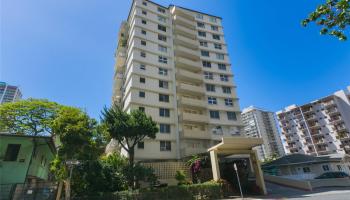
x=281, y=192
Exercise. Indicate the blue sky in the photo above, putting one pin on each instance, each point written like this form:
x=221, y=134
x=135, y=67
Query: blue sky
x=63, y=50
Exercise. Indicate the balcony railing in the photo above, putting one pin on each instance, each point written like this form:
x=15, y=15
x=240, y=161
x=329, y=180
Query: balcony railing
x=192, y=102
x=189, y=76
x=188, y=64
x=200, y=118
x=196, y=134
x=187, y=88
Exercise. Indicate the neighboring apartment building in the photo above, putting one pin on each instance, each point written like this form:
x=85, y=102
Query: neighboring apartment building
x=172, y=63
x=319, y=127
x=9, y=93
x=262, y=124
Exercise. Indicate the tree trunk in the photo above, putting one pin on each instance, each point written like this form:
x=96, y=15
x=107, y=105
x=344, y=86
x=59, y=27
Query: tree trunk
x=59, y=190
x=131, y=165
x=131, y=156
x=67, y=189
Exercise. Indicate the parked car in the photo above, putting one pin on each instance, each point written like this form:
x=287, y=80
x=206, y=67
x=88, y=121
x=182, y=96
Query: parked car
x=333, y=175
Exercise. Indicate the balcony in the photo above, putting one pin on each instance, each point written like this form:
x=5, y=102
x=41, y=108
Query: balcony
x=196, y=134
x=190, y=89
x=196, y=118
x=188, y=64
x=184, y=21
x=192, y=102
x=185, y=41
x=185, y=31
x=181, y=12
x=311, y=118
x=332, y=111
x=314, y=125
x=185, y=75
x=182, y=51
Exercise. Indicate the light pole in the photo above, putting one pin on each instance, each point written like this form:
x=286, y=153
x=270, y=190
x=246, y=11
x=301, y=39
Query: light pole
x=239, y=183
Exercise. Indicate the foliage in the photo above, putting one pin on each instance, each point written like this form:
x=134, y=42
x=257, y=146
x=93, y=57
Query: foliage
x=270, y=158
x=195, y=167
x=180, y=176
x=128, y=128
x=137, y=173
x=333, y=16
x=28, y=117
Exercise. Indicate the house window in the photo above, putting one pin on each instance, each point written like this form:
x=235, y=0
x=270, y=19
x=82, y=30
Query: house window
x=143, y=32
x=199, y=16
x=164, y=112
x=212, y=100
x=162, y=28
x=223, y=77
x=165, y=146
x=202, y=33
x=164, y=128
x=214, y=114
x=228, y=102
x=142, y=94
x=163, y=84
x=222, y=66
x=217, y=46
x=141, y=145
x=142, y=80
x=142, y=109
x=162, y=59
x=162, y=19
x=214, y=28
x=205, y=53
x=162, y=38
x=143, y=67
x=143, y=54
x=144, y=12
x=162, y=71
x=208, y=75
x=216, y=37
x=162, y=48
x=226, y=90
x=144, y=21
x=231, y=116
x=203, y=43
x=212, y=19
x=163, y=98
x=306, y=169
x=200, y=24
x=220, y=56
x=161, y=10
x=210, y=87
x=325, y=167
x=12, y=152
x=143, y=42
x=206, y=64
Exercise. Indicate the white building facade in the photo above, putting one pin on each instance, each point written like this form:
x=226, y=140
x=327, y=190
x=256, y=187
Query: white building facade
x=9, y=93
x=172, y=63
x=260, y=123
x=320, y=127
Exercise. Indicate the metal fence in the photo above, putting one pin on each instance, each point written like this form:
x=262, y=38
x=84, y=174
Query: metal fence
x=38, y=191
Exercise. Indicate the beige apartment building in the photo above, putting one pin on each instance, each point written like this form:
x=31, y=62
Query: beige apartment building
x=260, y=123
x=319, y=127
x=172, y=63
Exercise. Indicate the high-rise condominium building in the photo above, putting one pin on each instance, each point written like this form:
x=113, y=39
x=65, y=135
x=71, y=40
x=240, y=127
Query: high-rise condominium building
x=9, y=93
x=172, y=63
x=260, y=123
x=319, y=127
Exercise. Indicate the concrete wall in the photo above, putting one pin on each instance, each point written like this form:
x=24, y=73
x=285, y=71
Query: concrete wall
x=304, y=185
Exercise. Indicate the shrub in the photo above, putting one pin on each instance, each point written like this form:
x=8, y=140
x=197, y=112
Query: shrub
x=180, y=176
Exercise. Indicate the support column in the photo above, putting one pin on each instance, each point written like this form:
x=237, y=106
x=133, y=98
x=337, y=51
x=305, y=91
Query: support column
x=258, y=172
x=215, y=165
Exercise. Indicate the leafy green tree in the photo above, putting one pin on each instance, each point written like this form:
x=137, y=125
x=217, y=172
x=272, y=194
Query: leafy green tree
x=333, y=16
x=128, y=128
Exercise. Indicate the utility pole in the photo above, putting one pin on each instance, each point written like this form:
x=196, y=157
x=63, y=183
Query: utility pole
x=70, y=164
x=239, y=183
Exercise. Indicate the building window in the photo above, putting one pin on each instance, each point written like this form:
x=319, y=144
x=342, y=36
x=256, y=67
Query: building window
x=142, y=109
x=339, y=168
x=144, y=12
x=202, y=33
x=162, y=59
x=210, y=87
x=143, y=32
x=165, y=146
x=12, y=152
x=162, y=37
x=164, y=128
x=220, y=56
x=217, y=46
x=162, y=71
x=306, y=169
x=214, y=114
x=142, y=94
x=143, y=54
x=161, y=19
x=163, y=84
x=144, y=21
x=143, y=67
x=212, y=19
x=161, y=10
x=142, y=80
x=144, y=3
x=216, y=37
x=199, y=16
x=208, y=75
x=143, y=42
x=226, y=90
x=223, y=77
x=163, y=98
x=325, y=167
x=203, y=43
x=212, y=100
x=214, y=28
x=231, y=116
x=141, y=145
x=228, y=102
x=162, y=28
x=164, y=112
x=205, y=53
x=200, y=24
x=222, y=66
x=206, y=64
x=162, y=48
